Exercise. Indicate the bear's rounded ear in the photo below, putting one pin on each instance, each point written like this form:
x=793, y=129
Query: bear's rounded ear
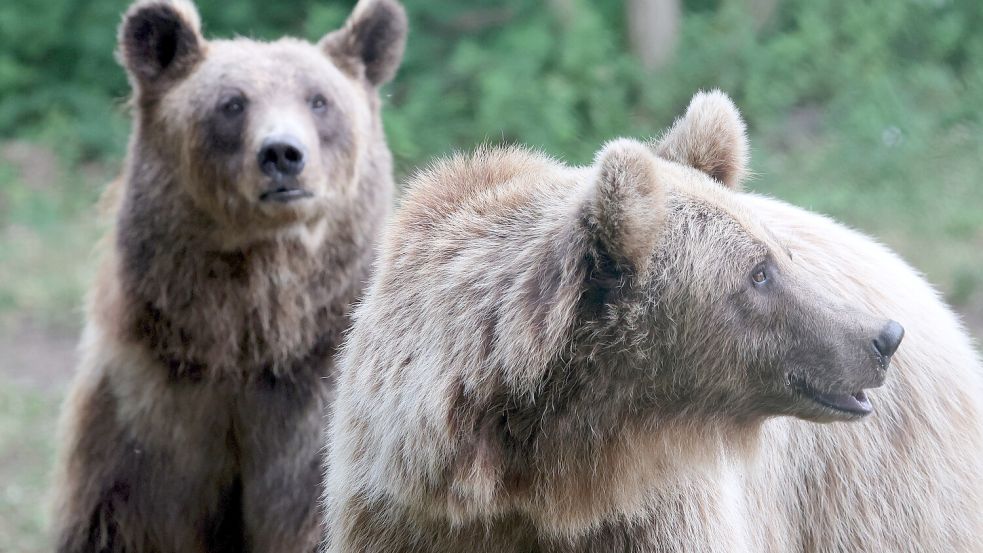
x=626, y=209
x=160, y=42
x=710, y=137
x=373, y=39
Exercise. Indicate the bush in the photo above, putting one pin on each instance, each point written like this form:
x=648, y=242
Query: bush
x=863, y=107
x=551, y=74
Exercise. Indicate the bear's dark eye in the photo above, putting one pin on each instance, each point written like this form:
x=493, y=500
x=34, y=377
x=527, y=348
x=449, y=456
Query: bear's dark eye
x=759, y=276
x=319, y=103
x=233, y=106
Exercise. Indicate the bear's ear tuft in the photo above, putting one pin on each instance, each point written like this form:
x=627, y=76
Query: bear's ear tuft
x=627, y=207
x=160, y=41
x=373, y=38
x=710, y=137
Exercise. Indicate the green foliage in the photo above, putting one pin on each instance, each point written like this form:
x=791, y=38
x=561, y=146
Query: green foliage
x=48, y=231
x=550, y=74
x=866, y=110
x=513, y=71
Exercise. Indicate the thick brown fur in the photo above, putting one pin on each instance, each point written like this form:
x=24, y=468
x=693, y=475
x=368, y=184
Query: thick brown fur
x=195, y=419
x=577, y=359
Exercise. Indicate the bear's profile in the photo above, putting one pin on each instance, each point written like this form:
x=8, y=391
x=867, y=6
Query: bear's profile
x=634, y=356
x=255, y=185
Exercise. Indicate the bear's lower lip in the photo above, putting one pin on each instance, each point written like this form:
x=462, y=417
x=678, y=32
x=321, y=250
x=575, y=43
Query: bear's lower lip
x=284, y=194
x=856, y=403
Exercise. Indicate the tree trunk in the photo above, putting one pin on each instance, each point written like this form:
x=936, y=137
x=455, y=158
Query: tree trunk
x=761, y=11
x=653, y=29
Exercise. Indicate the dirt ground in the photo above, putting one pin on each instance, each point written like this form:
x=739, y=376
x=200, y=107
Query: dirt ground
x=36, y=365
x=36, y=358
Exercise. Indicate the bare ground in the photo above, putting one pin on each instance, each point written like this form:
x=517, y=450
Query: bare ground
x=36, y=358
x=36, y=364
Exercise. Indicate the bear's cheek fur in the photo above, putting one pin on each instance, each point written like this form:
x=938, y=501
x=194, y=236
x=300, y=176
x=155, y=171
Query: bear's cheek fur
x=724, y=359
x=718, y=350
x=216, y=171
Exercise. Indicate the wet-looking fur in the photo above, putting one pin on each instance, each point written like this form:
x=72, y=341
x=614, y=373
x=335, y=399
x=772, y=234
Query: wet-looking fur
x=633, y=356
x=255, y=185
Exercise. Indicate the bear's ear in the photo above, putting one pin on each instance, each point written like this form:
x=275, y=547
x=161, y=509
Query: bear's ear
x=373, y=38
x=160, y=42
x=710, y=137
x=626, y=206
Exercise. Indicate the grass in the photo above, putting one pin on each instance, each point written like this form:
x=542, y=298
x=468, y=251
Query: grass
x=48, y=231
x=27, y=426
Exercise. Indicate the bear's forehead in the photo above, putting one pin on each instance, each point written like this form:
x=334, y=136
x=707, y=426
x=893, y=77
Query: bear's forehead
x=263, y=68
x=697, y=193
x=502, y=183
x=699, y=197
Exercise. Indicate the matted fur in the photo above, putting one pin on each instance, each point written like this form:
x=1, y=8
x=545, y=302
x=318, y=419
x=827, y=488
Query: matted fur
x=195, y=419
x=510, y=385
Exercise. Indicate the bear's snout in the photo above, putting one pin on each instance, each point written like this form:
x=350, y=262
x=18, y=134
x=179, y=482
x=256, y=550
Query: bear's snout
x=888, y=340
x=281, y=156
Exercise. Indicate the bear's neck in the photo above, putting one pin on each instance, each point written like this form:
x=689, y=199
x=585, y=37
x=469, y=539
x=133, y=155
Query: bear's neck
x=270, y=309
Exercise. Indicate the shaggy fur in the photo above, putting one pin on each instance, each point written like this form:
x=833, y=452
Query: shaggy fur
x=195, y=421
x=577, y=359
x=710, y=137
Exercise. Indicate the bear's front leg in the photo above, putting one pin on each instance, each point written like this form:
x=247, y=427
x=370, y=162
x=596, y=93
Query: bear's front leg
x=279, y=424
x=144, y=468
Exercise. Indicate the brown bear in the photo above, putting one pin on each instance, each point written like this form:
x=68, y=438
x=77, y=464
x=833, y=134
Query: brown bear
x=634, y=356
x=255, y=186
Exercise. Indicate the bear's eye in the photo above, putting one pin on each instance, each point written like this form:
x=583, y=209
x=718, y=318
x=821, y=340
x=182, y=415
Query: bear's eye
x=319, y=102
x=759, y=276
x=234, y=106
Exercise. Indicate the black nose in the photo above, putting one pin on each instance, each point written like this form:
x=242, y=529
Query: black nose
x=889, y=339
x=281, y=157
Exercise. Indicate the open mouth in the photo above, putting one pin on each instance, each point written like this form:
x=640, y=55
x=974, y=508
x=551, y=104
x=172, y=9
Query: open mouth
x=285, y=194
x=856, y=403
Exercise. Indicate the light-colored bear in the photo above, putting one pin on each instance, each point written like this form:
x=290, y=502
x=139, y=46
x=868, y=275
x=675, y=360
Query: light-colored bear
x=637, y=356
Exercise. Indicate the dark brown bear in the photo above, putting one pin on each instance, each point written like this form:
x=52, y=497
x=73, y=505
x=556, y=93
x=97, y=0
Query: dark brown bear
x=255, y=185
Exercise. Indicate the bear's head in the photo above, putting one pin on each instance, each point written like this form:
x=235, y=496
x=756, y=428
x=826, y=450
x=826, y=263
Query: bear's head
x=258, y=137
x=735, y=323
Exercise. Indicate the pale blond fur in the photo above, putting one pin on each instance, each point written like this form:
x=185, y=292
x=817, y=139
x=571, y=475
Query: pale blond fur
x=549, y=359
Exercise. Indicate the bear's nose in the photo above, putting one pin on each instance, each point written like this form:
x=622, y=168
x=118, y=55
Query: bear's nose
x=281, y=157
x=888, y=339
